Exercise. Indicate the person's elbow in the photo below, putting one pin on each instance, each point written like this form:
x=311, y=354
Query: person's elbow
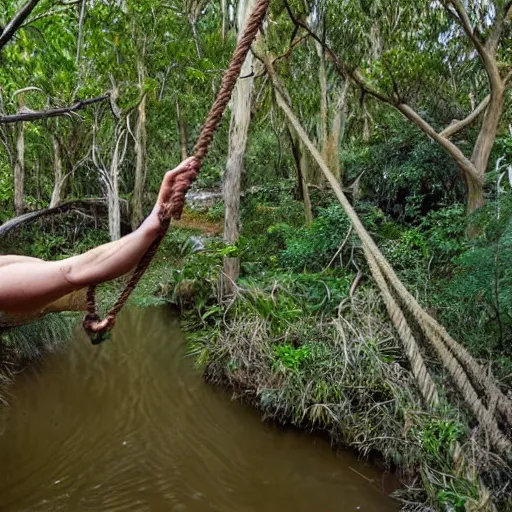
x=73, y=275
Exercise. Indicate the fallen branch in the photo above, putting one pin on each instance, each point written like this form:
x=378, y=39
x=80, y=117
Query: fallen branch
x=27, y=218
x=53, y=112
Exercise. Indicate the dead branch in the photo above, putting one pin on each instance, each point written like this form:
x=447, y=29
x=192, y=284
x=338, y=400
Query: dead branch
x=53, y=112
x=82, y=205
x=16, y=22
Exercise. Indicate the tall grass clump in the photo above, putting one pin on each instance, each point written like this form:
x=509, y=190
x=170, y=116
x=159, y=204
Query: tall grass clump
x=346, y=374
x=26, y=342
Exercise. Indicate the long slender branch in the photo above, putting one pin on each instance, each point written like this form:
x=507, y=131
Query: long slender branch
x=16, y=22
x=501, y=18
x=43, y=15
x=488, y=59
x=79, y=204
x=457, y=126
x=464, y=163
x=356, y=75
x=54, y=112
x=292, y=47
x=460, y=15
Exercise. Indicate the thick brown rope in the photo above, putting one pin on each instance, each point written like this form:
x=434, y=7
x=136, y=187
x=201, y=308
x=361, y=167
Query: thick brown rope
x=447, y=349
x=94, y=326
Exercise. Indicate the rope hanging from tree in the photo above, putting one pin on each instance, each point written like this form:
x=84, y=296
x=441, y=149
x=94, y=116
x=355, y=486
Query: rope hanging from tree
x=96, y=328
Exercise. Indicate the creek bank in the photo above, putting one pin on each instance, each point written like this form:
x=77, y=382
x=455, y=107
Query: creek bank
x=305, y=350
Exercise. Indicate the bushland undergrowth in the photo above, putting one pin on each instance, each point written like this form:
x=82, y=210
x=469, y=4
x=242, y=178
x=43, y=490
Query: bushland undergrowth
x=306, y=338
x=303, y=344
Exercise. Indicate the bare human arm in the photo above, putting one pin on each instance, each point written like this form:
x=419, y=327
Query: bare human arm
x=29, y=284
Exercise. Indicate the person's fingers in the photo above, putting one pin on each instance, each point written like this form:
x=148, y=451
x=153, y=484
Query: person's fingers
x=190, y=163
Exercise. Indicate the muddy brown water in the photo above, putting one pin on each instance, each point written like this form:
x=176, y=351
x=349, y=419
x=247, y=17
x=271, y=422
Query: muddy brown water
x=131, y=426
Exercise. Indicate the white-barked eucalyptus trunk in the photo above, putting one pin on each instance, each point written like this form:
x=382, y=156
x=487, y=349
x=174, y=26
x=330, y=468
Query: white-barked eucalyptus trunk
x=19, y=170
x=59, y=178
x=137, y=212
x=239, y=127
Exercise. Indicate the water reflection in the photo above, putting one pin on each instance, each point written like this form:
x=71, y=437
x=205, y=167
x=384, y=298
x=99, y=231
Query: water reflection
x=130, y=426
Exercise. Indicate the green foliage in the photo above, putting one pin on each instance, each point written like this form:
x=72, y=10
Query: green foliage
x=439, y=436
x=216, y=212
x=406, y=176
x=317, y=293
x=266, y=215
x=32, y=340
x=290, y=357
x=194, y=286
x=444, y=232
x=68, y=236
x=312, y=248
x=484, y=279
x=6, y=189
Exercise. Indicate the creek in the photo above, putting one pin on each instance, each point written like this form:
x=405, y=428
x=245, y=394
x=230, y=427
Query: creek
x=132, y=426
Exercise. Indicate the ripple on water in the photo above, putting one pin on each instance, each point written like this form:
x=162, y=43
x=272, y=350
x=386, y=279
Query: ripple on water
x=130, y=426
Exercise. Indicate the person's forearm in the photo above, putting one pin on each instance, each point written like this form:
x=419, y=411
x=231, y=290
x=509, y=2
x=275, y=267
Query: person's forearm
x=29, y=284
x=111, y=260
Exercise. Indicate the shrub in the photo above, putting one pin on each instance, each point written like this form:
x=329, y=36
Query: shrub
x=289, y=357
x=312, y=248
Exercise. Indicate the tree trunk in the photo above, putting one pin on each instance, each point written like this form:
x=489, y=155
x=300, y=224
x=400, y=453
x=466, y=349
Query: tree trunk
x=114, y=208
x=367, y=135
x=110, y=177
x=300, y=157
x=59, y=179
x=315, y=175
x=193, y=23
x=239, y=127
x=487, y=135
x=332, y=150
x=80, y=32
x=137, y=213
x=19, y=170
x=475, y=198
x=224, y=10
x=182, y=126
x=322, y=77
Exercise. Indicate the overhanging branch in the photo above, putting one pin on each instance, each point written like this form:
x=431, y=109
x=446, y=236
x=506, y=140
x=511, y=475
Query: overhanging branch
x=11, y=27
x=457, y=126
x=356, y=75
x=53, y=112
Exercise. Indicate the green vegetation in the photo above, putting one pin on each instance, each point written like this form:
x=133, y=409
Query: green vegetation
x=301, y=331
x=296, y=345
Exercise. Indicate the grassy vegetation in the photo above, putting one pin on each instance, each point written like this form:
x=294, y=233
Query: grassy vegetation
x=296, y=343
x=307, y=347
